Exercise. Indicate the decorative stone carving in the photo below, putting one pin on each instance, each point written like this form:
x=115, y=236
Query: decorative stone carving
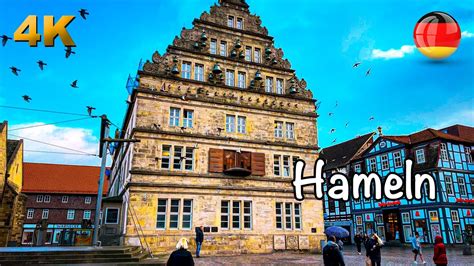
x=160, y=64
x=292, y=242
x=279, y=242
x=303, y=242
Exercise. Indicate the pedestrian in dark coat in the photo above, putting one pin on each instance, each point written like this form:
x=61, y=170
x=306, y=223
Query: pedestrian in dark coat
x=439, y=257
x=358, y=241
x=375, y=244
x=181, y=256
x=332, y=255
x=199, y=239
x=366, y=245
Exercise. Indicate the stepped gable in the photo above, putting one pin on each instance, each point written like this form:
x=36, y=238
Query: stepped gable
x=197, y=41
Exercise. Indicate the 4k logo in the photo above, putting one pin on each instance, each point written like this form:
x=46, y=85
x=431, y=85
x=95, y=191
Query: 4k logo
x=51, y=30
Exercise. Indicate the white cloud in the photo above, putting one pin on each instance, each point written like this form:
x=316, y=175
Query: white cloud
x=467, y=34
x=392, y=53
x=80, y=139
x=355, y=35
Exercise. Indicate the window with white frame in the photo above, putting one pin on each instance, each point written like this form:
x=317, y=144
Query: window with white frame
x=405, y=217
x=236, y=215
x=257, y=55
x=188, y=116
x=45, y=214
x=213, y=46
x=385, y=164
x=225, y=214
x=39, y=198
x=178, y=158
x=290, y=130
x=111, y=215
x=433, y=216
x=241, y=124
x=269, y=84
x=357, y=168
x=161, y=214
x=189, y=159
x=279, y=86
x=229, y=78
x=286, y=166
x=276, y=165
x=199, y=72
x=288, y=215
x=240, y=23
x=187, y=214
x=420, y=156
x=186, y=70
x=467, y=152
x=455, y=216
x=165, y=157
x=247, y=215
x=175, y=114
x=278, y=129
x=87, y=200
x=47, y=198
x=230, y=123
x=248, y=53
x=64, y=199
x=174, y=214
x=241, y=83
x=397, y=158
x=86, y=215
x=70, y=214
x=462, y=186
x=230, y=21
x=223, y=48
x=372, y=167
x=30, y=213
x=449, y=184
x=444, y=152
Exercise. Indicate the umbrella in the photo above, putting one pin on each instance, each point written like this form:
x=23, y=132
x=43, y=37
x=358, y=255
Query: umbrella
x=336, y=231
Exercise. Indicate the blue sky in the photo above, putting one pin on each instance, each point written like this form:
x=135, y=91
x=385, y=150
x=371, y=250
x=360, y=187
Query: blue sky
x=322, y=39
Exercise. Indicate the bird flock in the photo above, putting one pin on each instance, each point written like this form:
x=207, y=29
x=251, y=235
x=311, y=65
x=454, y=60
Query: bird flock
x=331, y=114
x=42, y=65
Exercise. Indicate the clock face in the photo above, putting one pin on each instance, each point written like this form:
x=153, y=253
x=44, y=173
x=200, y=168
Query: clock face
x=383, y=144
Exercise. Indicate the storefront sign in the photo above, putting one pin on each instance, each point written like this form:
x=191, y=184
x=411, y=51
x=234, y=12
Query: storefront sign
x=465, y=200
x=388, y=204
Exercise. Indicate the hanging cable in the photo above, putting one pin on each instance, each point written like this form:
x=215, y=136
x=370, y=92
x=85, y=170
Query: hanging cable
x=54, y=145
x=47, y=124
x=57, y=152
x=42, y=110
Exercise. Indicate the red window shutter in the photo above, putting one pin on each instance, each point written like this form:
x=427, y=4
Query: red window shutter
x=216, y=160
x=258, y=163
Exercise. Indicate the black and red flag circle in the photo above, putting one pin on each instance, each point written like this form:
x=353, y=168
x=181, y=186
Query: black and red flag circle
x=437, y=35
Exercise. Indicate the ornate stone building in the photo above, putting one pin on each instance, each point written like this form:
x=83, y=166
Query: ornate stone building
x=221, y=117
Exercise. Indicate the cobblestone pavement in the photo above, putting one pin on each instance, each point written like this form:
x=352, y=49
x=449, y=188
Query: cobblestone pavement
x=391, y=256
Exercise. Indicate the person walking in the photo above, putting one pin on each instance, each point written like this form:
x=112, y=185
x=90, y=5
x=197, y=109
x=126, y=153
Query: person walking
x=375, y=244
x=199, y=239
x=340, y=244
x=440, y=258
x=332, y=255
x=416, y=247
x=181, y=256
x=358, y=241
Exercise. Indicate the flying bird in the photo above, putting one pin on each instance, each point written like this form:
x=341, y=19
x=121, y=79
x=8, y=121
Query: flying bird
x=69, y=51
x=26, y=98
x=368, y=72
x=41, y=64
x=336, y=104
x=332, y=130
x=90, y=109
x=318, y=105
x=347, y=124
x=83, y=13
x=5, y=38
x=15, y=70
x=330, y=114
x=371, y=118
x=74, y=84
x=356, y=64
x=334, y=141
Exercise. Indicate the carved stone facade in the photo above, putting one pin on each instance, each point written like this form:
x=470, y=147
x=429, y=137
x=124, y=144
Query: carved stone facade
x=220, y=117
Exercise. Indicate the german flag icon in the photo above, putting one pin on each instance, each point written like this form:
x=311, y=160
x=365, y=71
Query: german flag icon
x=437, y=35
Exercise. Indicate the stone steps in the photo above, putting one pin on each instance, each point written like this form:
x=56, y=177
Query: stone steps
x=71, y=255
